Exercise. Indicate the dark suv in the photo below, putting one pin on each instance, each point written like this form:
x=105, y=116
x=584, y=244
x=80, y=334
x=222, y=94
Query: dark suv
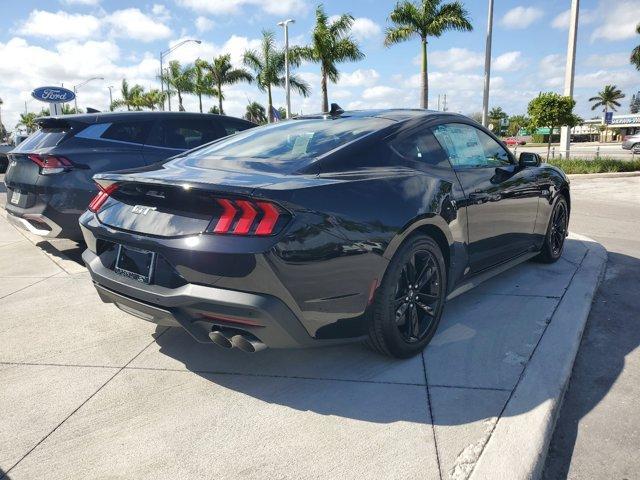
x=49, y=178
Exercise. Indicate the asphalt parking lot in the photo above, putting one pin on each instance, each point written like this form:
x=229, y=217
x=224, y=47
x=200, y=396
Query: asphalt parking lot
x=87, y=391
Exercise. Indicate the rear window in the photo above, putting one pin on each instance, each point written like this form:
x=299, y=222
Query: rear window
x=293, y=140
x=45, y=138
x=131, y=132
x=181, y=133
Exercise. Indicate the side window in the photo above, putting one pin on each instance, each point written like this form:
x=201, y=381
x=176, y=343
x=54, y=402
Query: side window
x=183, y=134
x=130, y=132
x=417, y=146
x=468, y=147
x=231, y=127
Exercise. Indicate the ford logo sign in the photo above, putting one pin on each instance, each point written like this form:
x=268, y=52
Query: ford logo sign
x=53, y=94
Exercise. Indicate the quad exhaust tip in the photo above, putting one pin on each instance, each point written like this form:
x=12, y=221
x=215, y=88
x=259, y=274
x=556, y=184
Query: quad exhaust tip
x=245, y=342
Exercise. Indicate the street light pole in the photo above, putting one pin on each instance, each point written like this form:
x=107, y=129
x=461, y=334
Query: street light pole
x=569, y=73
x=110, y=96
x=287, y=87
x=487, y=67
x=75, y=90
x=164, y=54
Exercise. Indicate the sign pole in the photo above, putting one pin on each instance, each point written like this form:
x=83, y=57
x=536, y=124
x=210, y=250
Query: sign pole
x=565, y=133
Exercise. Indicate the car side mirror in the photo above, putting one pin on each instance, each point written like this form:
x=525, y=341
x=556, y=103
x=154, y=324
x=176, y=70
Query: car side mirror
x=529, y=159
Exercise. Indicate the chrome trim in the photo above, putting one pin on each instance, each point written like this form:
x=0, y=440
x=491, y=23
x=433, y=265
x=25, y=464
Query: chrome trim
x=24, y=224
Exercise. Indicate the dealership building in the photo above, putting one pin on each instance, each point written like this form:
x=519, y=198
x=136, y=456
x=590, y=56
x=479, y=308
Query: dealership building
x=593, y=130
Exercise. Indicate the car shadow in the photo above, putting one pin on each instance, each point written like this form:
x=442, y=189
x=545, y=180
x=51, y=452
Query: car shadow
x=612, y=332
x=360, y=375
x=64, y=249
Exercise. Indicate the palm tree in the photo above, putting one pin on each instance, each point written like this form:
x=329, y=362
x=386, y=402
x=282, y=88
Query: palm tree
x=268, y=66
x=427, y=18
x=28, y=120
x=255, y=113
x=223, y=73
x=635, y=53
x=130, y=96
x=330, y=44
x=496, y=114
x=202, y=81
x=607, y=98
x=152, y=99
x=180, y=79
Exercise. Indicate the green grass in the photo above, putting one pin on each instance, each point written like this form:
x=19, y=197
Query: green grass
x=596, y=165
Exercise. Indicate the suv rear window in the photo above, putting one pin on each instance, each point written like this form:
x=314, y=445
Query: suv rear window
x=184, y=133
x=45, y=138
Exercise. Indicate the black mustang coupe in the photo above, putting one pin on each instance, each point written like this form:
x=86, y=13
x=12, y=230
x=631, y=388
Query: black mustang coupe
x=346, y=225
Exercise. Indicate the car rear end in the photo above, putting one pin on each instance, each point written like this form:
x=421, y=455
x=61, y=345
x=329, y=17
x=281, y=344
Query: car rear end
x=631, y=142
x=234, y=250
x=37, y=181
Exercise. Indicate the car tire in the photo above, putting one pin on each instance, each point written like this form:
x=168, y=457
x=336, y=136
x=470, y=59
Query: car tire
x=556, y=233
x=404, y=319
x=635, y=148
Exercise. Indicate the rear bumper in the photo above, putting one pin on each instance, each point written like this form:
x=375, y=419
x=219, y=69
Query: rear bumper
x=35, y=223
x=199, y=309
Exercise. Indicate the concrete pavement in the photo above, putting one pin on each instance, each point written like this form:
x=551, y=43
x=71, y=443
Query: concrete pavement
x=598, y=431
x=87, y=391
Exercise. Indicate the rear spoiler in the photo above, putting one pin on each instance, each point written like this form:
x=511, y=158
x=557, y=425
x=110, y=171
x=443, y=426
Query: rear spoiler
x=53, y=122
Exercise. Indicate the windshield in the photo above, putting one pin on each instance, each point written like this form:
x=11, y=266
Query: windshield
x=293, y=140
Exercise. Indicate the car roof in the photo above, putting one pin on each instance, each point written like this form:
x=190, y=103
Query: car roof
x=395, y=114
x=140, y=115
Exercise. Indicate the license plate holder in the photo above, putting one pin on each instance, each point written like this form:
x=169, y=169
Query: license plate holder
x=135, y=263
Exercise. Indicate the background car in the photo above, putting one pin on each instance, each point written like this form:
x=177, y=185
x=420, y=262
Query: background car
x=632, y=142
x=513, y=141
x=323, y=228
x=49, y=179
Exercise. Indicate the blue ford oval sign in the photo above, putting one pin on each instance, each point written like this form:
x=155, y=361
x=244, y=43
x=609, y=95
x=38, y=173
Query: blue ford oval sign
x=53, y=94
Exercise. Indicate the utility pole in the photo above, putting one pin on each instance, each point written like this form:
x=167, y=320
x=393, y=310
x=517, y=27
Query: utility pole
x=444, y=103
x=438, y=102
x=287, y=87
x=487, y=67
x=569, y=73
x=110, y=96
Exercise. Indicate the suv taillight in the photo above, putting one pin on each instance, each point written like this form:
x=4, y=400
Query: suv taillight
x=50, y=164
x=248, y=217
x=101, y=197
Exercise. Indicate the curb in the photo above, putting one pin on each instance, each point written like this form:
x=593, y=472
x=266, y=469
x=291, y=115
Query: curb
x=517, y=449
x=575, y=176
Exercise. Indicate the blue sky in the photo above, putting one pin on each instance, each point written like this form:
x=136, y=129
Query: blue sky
x=66, y=41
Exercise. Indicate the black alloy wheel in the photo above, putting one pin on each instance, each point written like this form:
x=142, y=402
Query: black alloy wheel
x=408, y=304
x=556, y=233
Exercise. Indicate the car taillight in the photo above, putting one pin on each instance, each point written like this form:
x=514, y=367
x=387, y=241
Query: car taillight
x=247, y=217
x=50, y=164
x=101, y=197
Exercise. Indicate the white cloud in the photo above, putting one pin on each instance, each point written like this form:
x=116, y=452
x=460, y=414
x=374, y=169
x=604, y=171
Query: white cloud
x=380, y=92
x=203, y=24
x=456, y=59
x=508, y=62
x=60, y=25
x=596, y=80
x=618, y=20
x=551, y=70
x=608, y=60
x=233, y=7
x=521, y=17
x=132, y=23
x=561, y=21
x=359, y=78
x=161, y=12
x=363, y=28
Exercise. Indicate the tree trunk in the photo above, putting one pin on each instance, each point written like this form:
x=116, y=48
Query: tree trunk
x=220, y=99
x=323, y=86
x=549, y=143
x=180, y=107
x=200, y=101
x=270, y=106
x=424, y=97
x=606, y=126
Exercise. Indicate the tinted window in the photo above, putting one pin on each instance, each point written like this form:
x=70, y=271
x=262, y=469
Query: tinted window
x=466, y=146
x=293, y=140
x=231, y=126
x=44, y=138
x=417, y=146
x=131, y=132
x=184, y=134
